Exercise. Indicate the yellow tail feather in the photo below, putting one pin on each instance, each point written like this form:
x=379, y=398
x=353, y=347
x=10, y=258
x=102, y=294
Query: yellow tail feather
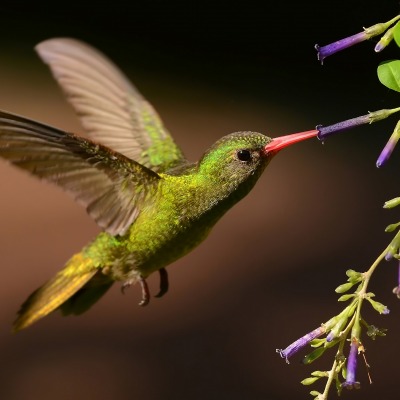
x=55, y=292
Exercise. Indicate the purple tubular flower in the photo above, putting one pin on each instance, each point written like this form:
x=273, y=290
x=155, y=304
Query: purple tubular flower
x=390, y=145
x=300, y=343
x=351, y=382
x=325, y=131
x=385, y=154
x=328, y=50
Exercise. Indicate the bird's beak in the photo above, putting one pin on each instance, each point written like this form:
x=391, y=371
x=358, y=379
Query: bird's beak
x=281, y=142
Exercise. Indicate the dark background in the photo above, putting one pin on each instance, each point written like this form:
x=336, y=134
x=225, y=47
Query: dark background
x=268, y=271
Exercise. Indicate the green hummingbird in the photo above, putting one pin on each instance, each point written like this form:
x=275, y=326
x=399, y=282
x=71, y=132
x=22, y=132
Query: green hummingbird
x=152, y=205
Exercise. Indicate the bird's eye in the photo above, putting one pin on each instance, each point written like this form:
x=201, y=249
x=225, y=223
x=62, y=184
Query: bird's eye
x=243, y=155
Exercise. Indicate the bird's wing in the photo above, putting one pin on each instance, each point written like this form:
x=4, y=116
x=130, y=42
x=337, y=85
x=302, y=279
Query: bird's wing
x=111, y=186
x=111, y=109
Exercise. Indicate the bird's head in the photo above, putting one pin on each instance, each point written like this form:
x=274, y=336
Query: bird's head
x=242, y=156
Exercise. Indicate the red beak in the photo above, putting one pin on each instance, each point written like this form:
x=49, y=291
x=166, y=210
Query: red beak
x=281, y=142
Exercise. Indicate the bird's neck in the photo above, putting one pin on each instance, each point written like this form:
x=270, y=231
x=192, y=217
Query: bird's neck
x=202, y=196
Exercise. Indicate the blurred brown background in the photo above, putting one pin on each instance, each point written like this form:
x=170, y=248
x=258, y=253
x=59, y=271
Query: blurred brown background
x=268, y=271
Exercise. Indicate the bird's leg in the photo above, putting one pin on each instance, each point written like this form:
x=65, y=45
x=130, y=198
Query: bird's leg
x=164, y=284
x=145, y=292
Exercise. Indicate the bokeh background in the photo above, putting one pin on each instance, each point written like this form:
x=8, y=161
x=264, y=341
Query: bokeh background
x=267, y=273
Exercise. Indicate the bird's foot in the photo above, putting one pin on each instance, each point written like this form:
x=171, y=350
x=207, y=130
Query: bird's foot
x=145, y=292
x=164, y=284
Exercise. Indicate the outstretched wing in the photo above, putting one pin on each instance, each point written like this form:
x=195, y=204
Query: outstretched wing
x=111, y=109
x=111, y=186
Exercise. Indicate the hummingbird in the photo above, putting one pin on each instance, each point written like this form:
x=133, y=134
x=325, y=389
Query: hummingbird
x=153, y=206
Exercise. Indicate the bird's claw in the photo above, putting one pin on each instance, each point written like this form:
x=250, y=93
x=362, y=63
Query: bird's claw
x=164, y=284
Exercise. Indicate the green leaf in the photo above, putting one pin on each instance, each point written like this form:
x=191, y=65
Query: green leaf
x=389, y=74
x=396, y=34
x=309, y=358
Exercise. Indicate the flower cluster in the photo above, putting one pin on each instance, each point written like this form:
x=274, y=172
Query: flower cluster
x=346, y=327
x=345, y=330
x=386, y=74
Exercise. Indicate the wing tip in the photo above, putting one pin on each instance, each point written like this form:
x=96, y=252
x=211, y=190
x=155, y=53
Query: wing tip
x=18, y=325
x=49, y=47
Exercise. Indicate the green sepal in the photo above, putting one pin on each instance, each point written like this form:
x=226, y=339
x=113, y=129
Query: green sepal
x=332, y=343
x=344, y=372
x=392, y=227
x=317, y=342
x=315, y=393
x=392, y=203
x=344, y=287
x=309, y=381
x=309, y=358
x=389, y=74
x=340, y=323
x=394, y=245
x=338, y=385
x=345, y=297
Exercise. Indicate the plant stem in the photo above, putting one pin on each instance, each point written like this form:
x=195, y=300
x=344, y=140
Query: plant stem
x=367, y=278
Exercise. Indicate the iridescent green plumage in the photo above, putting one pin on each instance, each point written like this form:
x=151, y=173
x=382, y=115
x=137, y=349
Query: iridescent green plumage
x=152, y=204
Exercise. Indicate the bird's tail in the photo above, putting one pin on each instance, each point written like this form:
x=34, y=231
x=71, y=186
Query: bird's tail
x=76, y=274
